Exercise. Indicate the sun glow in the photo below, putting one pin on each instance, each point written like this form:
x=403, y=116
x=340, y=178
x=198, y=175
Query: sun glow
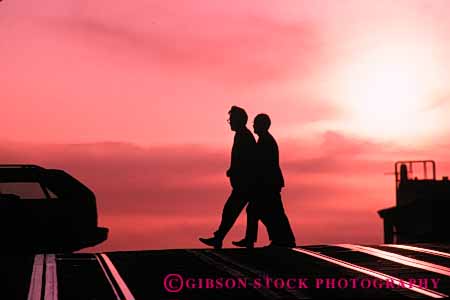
x=387, y=91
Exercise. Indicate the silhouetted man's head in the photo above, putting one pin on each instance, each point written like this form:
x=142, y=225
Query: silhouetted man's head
x=238, y=118
x=261, y=123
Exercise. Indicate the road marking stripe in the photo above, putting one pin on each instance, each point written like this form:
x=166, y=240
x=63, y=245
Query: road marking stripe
x=121, y=283
x=107, y=277
x=370, y=272
x=34, y=293
x=51, y=280
x=401, y=259
x=419, y=249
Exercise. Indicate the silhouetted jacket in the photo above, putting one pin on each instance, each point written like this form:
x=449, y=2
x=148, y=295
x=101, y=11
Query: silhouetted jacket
x=242, y=164
x=269, y=175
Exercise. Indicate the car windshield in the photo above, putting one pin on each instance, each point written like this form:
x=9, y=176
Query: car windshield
x=24, y=190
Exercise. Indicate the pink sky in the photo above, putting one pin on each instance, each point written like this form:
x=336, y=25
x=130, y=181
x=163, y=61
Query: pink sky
x=132, y=97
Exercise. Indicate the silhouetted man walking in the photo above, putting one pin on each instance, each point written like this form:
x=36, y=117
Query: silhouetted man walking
x=267, y=205
x=241, y=174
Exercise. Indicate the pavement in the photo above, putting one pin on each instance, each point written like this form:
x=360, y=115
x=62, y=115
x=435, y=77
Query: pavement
x=342, y=271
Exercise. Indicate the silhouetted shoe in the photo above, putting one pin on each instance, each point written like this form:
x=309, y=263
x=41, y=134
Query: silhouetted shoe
x=243, y=243
x=213, y=242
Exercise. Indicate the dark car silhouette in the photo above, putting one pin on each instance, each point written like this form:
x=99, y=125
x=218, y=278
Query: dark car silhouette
x=46, y=210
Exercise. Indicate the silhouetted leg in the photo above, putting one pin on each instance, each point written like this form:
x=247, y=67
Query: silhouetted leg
x=276, y=221
x=265, y=219
x=251, y=232
x=233, y=207
x=284, y=228
x=260, y=210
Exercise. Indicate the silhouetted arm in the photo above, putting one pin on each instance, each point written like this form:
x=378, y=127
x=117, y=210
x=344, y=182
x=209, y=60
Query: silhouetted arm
x=268, y=163
x=242, y=160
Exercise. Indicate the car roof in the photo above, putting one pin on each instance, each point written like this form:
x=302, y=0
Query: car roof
x=18, y=173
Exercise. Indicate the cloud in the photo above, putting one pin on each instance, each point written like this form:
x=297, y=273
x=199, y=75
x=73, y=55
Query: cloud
x=245, y=52
x=238, y=47
x=115, y=72
x=154, y=73
x=140, y=189
x=131, y=179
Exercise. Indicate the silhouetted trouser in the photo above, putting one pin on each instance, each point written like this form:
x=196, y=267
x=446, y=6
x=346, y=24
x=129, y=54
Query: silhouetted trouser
x=253, y=217
x=233, y=207
x=268, y=208
x=280, y=230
